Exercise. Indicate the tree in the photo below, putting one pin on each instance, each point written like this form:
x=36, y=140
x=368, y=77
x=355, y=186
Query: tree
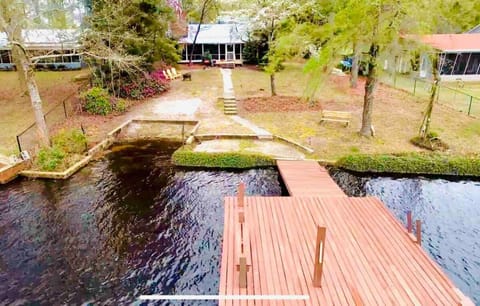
x=123, y=46
x=207, y=9
x=267, y=17
x=379, y=24
x=425, y=126
x=13, y=20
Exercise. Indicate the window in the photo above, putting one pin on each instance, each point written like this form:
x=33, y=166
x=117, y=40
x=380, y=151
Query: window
x=461, y=63
x=473, y=64
x=212, y=49
x=5, y=57
x=447, y=67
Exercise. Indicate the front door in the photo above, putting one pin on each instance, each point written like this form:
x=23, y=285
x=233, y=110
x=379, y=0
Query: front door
x=230, y=54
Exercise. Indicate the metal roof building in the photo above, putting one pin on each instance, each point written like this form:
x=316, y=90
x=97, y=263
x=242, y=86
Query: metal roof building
x=46, y=39
x=221, y=41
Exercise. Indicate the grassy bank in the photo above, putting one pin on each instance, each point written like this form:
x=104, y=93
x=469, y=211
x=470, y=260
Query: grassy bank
x=15, y=108
x=235, y=160
x=412, y=163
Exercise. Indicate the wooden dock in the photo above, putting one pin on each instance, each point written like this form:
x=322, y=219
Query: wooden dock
x=308, y=178
x=330, y=250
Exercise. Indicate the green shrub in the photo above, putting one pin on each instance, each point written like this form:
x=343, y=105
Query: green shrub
x=50, y=158
x=188, y=158
x=412, y=163
x=70, y=141
x=97, y=101
x=121, y=105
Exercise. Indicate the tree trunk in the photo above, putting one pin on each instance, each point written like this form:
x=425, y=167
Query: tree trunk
x=425, y=127
x=202, y=16
x=370, y=86
x=26, y=74
x=272, y=84
x=354, y=71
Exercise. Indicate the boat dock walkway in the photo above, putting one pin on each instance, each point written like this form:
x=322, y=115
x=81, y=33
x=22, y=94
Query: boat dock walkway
x=320, y=247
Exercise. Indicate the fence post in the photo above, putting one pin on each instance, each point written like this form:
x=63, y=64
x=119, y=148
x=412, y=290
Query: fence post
x=418, y=226
x=319, y=251
x=84, y=134
x=470, y=105
x=19, y=145
x=414, y=86
x=183, y=134
x=65, y=109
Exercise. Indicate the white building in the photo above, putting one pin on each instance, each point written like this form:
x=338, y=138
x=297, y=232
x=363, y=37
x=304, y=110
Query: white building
x=224, y=42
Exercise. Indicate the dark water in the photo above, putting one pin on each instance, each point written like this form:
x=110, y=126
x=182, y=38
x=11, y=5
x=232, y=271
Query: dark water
x=450, y=214
x=126, y=225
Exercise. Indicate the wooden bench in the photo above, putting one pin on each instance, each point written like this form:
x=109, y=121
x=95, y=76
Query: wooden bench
x=335, y=116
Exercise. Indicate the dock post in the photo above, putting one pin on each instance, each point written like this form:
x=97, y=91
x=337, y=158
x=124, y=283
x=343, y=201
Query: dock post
x=418, y=225
x=319, y=251
x=243, y=273
x=409, y=221
x=241, y=194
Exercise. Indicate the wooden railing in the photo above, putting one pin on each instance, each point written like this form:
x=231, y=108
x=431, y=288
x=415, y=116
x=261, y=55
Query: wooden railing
x=242, y=239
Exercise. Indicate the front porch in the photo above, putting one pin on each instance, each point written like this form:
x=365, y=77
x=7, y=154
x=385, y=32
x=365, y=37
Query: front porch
x=222, y=53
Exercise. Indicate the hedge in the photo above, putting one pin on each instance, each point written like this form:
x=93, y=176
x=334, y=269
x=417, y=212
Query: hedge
x=188, y=158
x=412, y=163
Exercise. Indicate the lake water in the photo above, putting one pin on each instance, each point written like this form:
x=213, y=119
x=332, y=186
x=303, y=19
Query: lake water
x=126, y=225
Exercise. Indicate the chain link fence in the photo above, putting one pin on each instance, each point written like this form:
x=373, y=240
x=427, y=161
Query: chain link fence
x=28, y=140
x=451, y=97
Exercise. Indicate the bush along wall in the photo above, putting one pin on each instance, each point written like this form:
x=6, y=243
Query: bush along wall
x=412, y=163
x=188, y=158
x=66, y=148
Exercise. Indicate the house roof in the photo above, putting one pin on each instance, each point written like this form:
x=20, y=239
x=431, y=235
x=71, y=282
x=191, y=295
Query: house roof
x=46, y=38
x=453, y=42
x=474, y=30
x=228, y=33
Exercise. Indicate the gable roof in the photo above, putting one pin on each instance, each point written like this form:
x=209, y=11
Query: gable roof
x=453, y=42
x=46, y=39
x=227, y=33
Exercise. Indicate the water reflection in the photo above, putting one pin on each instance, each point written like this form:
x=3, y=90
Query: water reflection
x=127, y=225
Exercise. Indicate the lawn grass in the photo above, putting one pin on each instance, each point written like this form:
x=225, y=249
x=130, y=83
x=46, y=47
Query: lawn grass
x=397, y=116
x=15, y=109
x=452, y=94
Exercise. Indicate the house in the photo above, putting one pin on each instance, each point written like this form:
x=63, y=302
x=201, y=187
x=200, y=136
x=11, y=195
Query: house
x=224, y=42
x=45, y=42
x=459, y=56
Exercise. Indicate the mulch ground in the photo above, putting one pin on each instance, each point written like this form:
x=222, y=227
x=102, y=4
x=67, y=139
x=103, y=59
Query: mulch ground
x=277, y=104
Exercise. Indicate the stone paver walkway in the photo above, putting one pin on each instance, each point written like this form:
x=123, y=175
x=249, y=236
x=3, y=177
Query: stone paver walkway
x=272, y=148
x=259, y=131
x=228, y=91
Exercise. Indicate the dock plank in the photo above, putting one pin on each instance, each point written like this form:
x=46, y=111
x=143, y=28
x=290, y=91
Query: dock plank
x=369, y=257
x=307, y=178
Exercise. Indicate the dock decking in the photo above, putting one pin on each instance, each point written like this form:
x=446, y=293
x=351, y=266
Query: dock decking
x=271, y=246
x=369, y=258
x=308, y=178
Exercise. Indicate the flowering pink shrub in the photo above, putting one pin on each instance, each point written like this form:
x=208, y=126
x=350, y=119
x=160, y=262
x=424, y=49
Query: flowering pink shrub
x=148, y=86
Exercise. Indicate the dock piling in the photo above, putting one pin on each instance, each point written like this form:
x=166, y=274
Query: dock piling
x=319, y=251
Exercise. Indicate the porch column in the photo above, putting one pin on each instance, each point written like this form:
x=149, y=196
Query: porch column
x=468, y=62
x=454, y=64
